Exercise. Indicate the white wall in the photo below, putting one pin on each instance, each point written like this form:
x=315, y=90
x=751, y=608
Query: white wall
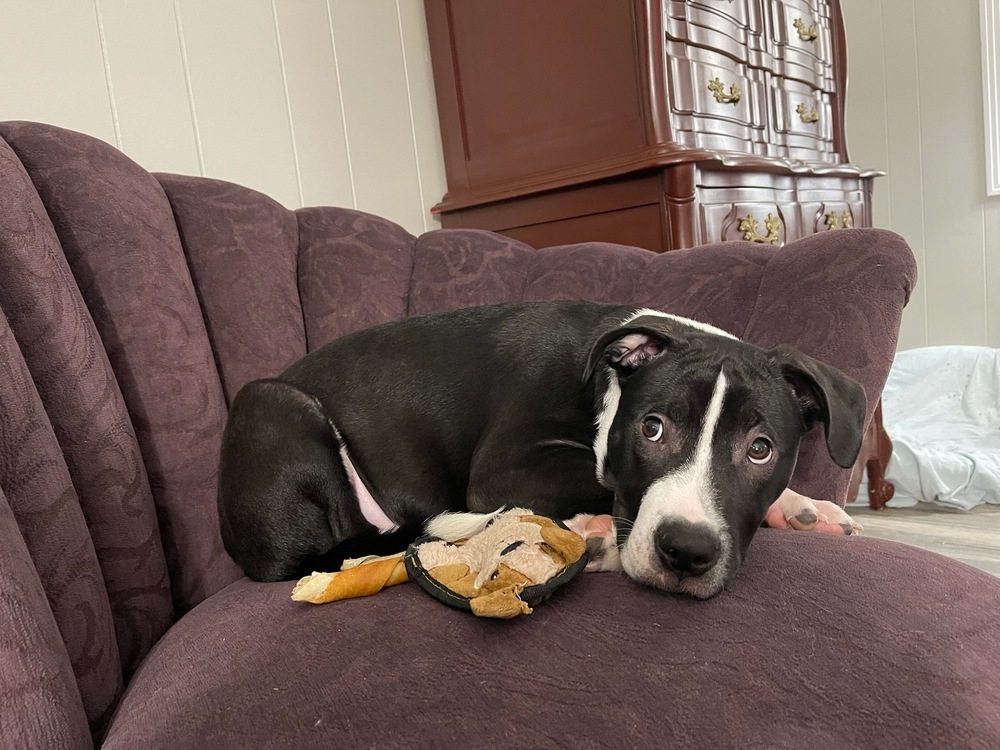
x=310, y=101
x=915, y=109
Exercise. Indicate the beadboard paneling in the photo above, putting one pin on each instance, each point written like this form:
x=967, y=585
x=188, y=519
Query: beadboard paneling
x=915, y=109
x=385, y=174
x=310, y=101
x=51, y=66
x=314, y=103
x=143, y=50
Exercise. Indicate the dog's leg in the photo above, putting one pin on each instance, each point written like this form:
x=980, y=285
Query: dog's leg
x=285, y=500
x=800, y=513
x=602, y=543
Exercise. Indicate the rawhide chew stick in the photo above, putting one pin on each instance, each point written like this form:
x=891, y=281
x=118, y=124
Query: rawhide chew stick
x=363, y=579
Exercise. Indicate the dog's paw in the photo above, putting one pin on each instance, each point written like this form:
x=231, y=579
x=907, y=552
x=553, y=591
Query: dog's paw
x=602, y=547
x=801, y=513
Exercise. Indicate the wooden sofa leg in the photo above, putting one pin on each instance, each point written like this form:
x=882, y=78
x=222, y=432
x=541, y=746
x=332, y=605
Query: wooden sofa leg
x=873, y=458
x=880, y=491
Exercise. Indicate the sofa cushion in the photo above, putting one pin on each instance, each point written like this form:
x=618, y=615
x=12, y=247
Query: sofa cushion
x=895, y=649
x=242, y=249
x=117, y=232
x=354, y=271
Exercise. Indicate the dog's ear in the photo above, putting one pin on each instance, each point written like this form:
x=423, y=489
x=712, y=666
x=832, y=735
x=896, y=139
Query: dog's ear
x=826, y=395
x=633, y=345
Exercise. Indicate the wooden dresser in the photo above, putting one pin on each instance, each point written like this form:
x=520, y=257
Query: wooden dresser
x=658, y=123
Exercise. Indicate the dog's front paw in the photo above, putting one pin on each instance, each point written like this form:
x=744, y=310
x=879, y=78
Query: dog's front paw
x=602, y=545
x=801, y=513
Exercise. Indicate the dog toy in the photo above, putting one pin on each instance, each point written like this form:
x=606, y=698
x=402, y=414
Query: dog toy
x=361, y=576
x=505, y=570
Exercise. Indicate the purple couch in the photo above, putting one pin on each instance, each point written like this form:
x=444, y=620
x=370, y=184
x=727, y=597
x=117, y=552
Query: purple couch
x=134, y=306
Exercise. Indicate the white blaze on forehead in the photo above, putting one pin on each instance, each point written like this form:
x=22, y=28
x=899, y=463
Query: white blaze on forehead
x=703, y=327
x=609, y=407
x=689, y=493
x=686, y=494
x=612, y=394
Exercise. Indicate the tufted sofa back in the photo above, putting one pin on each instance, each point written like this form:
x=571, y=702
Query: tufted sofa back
x=134, y=306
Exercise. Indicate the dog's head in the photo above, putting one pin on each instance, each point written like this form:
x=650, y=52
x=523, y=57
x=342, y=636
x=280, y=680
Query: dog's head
x=697, y=434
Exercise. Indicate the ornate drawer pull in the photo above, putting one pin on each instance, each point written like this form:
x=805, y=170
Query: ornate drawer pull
x=807, y=115
x=748, y=225
x=805, y=34
x=718, y=89
x=833, y=220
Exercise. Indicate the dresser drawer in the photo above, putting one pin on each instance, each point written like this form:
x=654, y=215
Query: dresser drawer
x=715, y=101
x=801, y=120
x=803, y=45
x=830, y=203
x=735, y=28
x=757, y=208
x=831, y=215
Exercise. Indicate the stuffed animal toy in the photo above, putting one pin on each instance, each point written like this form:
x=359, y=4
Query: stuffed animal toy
x=510, y=566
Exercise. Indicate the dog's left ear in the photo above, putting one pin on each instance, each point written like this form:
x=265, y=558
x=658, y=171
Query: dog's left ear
x=826, y=395
x=633, y=345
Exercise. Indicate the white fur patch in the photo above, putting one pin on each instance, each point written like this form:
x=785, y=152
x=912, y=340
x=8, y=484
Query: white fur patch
x=686, y=494
x=704, y=327
x=454, y=526
x=612, y=394
x=609, y=408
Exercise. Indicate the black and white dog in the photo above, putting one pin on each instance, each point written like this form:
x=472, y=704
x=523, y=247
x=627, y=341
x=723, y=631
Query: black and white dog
x=684, y=434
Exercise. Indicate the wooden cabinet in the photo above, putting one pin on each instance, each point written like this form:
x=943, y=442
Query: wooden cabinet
x=658, y=123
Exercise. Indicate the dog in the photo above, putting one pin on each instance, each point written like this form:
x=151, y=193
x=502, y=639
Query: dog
x=685, y=435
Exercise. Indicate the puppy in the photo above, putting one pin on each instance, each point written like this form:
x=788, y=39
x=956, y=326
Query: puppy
x=683, y=433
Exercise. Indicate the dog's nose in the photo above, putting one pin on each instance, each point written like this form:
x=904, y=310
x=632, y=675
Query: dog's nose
x=687, y=549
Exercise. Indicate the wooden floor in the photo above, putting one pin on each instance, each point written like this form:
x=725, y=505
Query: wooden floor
x=970, y=536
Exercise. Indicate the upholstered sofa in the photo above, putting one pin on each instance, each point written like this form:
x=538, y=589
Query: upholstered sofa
x=135, y=305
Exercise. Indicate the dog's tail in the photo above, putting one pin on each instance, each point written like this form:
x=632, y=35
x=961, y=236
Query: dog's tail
x=452, y=527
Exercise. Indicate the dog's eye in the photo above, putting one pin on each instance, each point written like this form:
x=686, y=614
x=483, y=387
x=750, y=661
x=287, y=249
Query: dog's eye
x=760, y=451
x=652, y=428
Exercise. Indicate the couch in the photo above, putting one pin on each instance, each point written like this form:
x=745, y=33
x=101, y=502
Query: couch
x=135, y=306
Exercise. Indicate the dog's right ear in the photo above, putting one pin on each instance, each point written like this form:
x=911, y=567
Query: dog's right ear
x=634, y=345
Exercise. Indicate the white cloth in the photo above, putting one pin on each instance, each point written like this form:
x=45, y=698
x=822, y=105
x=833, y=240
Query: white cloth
x=941, y=408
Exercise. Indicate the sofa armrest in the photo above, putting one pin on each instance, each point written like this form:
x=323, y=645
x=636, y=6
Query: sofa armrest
x=839, y=297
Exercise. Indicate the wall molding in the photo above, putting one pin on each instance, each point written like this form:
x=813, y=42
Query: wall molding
x=989, y=30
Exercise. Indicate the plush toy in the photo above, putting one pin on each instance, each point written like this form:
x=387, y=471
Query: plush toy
x=514, y=563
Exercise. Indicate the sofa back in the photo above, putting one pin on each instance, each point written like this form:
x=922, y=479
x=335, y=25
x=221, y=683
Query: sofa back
x=136, y=305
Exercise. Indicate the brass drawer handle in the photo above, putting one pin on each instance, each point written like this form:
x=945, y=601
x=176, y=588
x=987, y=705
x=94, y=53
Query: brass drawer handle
x=718, y=89
x=807, y=115
x=833, y=220
x=805, y=34
x=748, y=225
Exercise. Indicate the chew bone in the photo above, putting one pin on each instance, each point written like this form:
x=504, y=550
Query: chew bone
x=362, y=577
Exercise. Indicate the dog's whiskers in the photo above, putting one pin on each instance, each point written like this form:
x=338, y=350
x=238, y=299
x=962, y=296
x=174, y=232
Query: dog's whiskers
x=623, y=523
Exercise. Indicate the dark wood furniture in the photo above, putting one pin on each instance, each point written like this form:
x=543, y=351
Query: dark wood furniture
x=874, y=458
x=658, y=123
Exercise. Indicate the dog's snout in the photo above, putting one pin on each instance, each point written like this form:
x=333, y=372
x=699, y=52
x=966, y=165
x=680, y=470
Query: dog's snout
x=687, y=549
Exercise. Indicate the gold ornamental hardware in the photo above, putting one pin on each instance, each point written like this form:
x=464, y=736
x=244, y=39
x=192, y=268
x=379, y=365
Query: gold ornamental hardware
x=748, y=225
x=833, y=220
x=807, y=115
x=805, y=34
x=718, y=89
